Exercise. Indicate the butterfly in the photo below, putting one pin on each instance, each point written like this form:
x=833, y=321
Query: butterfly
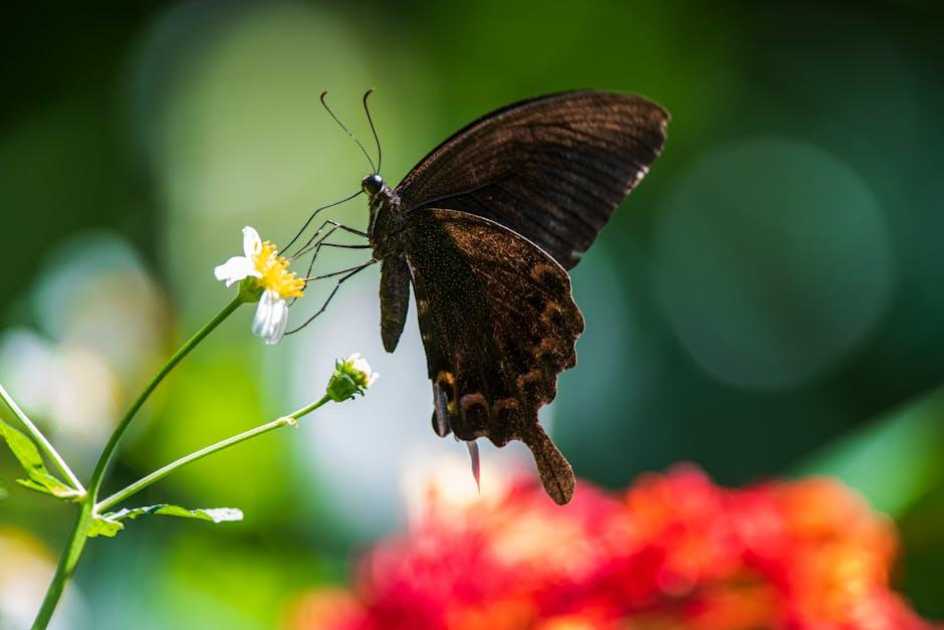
x=485, y=228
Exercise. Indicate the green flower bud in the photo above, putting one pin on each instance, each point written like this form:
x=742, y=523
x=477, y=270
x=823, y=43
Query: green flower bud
x=351, y=376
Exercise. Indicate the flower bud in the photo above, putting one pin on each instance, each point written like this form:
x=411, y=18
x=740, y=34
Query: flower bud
x=351, y=376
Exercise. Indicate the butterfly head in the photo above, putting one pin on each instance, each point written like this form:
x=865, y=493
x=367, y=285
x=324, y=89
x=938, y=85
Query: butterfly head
x=385, y=216
x=372, y=184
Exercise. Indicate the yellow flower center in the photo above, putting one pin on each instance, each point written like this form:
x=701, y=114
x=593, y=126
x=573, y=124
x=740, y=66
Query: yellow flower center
x=275, y=274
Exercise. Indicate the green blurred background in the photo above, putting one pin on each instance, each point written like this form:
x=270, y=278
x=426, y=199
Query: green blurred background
x=770, y=301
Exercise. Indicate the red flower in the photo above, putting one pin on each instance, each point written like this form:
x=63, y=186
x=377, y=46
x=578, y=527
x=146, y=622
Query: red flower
x=675, y=552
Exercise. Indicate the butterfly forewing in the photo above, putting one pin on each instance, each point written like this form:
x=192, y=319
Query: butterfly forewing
x=498, y=324
x=552, y=169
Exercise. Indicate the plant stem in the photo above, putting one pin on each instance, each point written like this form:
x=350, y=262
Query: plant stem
x=73, y=551
x=66, y=567
x=43, y=443
x=109, y=451
x=162, y=472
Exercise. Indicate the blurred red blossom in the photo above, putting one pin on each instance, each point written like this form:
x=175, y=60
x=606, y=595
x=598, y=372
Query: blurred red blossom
x=673, y=552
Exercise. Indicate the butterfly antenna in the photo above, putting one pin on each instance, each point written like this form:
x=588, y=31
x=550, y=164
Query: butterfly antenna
x=373, y=130
x=324, y=103
x=312, y=216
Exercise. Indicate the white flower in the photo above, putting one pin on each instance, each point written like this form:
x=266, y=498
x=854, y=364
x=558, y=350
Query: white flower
x=361, y=367
x=238, y=268
x=271, y=278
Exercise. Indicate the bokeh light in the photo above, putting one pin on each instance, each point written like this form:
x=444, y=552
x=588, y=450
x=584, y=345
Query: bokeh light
x=773, y=261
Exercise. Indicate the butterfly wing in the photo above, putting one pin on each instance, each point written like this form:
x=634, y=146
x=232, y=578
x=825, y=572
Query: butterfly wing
x=498, y=324
x=552, y=169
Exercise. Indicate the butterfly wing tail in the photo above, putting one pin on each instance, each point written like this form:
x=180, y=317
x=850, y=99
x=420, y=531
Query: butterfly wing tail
x=556, y=473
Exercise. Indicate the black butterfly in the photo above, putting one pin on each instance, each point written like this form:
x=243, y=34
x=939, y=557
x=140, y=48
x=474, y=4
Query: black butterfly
x=485, y=227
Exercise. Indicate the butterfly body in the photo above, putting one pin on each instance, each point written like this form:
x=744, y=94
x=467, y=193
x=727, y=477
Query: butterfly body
x=484, y=230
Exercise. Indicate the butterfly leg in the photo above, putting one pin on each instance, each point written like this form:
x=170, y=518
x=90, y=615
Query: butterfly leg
x=322, y=242
x=311, y=264
x=313, y=240
x=345, y=274
x=317, y=248
x=312, y=216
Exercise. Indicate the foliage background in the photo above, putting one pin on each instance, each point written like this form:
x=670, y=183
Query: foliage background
x=768, y=303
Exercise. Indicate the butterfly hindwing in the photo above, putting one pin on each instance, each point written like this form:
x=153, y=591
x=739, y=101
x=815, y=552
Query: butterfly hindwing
x=552, y=168
x=498, y=324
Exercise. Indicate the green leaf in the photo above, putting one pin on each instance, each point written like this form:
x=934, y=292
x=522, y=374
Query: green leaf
x=214, y=515
x=893, y=461
x=3, y=492
x=111, y=523
x=104, y=526
x=40, y=479
x=48, y=484
x=23, y=448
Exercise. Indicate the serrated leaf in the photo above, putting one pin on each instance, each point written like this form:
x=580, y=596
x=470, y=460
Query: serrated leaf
x=32, y=485
x=40, y=479
x=111, y=523
x=104, y=526
x=23, y=448
x=214, y=515
x=49, y=485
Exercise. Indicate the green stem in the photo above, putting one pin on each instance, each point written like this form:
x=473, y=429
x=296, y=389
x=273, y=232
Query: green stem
x=109, y=452
x=162, y=472
x=44, y=444
x=72, y=553
x=65, y=569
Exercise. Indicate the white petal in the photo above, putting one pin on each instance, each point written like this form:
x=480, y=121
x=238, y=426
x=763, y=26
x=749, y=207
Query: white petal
x=235, y=270
x=281, y=325
x=262, y=322
x=271, y=318
x=252, y=244
x=361, y=365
